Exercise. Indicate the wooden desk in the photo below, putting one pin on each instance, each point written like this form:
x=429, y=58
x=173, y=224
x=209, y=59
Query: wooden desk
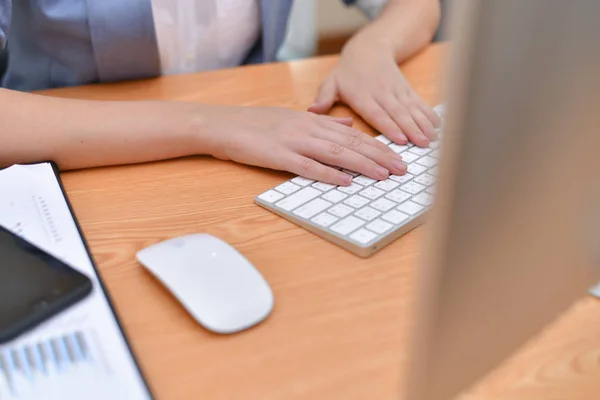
x=340, y=323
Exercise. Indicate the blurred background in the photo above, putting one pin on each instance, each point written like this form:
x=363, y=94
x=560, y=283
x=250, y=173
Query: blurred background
x=320, y=27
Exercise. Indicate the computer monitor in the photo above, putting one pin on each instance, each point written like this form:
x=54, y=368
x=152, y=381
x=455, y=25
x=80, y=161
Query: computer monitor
x=514, y=236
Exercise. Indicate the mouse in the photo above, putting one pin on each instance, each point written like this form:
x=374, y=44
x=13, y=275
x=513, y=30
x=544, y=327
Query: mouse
x=217, y=286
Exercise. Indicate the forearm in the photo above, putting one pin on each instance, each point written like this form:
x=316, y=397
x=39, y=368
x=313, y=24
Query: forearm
x=403, y=28
x=81, y=134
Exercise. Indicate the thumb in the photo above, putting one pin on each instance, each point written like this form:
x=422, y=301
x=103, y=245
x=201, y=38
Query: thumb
x=326, y=97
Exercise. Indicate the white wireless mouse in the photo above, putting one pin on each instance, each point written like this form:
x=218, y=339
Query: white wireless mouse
x=221, y=290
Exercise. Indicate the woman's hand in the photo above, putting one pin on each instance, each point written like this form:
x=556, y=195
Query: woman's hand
x=368, y=79
x=299, y=142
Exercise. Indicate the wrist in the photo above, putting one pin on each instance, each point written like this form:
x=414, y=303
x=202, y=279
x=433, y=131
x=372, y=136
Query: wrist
x=193, y=127
x=369, y=43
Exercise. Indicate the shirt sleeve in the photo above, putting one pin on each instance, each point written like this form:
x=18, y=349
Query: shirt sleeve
x=5, y=13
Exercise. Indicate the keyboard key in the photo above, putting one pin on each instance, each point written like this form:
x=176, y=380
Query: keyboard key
x=312, y=208
x=352, y=173
x=398, y=196
x=324, y=219
x=423, y=199
x=395, y=217
x=387, y=185
x=383, y=139
x=434, y=145
x=298, y=198
x=412, y=187
x=323, y=186
x=372, y=193
x=379, y=226
x=356, y=201
x=431, y=190
x=435, y=153
x=270, y=196
x=416, y=169
x=347, y=225
x=425, y=179
x=363, y=180
x=433, y=171
x=427, y=161
x=302, y=181
x=410, y=208
x=398, y=148
x=409, y=157
x=363, y=236
x=402, y=178
x=420, y=151
x=367, y=213
x=341, y=210
x=383, y=204
x=440, y=110
x=287, y=188
x=334, y=196
x=351, y=189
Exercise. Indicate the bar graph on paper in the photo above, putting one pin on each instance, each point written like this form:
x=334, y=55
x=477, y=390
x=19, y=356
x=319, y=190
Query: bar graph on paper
x=62, y=366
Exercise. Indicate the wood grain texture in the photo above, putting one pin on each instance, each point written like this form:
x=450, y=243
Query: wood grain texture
x=340, y=323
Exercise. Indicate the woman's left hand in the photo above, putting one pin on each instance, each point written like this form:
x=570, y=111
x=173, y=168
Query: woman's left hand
x=369, y=80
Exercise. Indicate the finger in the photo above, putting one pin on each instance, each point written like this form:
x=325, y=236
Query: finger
x=337, y=154
x=339, y=120
x=326, y=98
x=349, y=136
x=425, y=109
x=423, y=122
x=311, y=169
x=380, y=120
x=365, y=145
x=430, y=114
x=404, y=120
x=353, y=132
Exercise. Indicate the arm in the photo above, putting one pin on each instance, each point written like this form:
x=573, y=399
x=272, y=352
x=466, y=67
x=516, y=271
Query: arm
x=367, y=77
x=80, y=134
x=402, y=28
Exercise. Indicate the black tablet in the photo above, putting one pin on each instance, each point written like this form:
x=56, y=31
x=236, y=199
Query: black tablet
x=34, y=285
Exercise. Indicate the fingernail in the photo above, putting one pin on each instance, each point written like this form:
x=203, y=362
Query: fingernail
x=401, y=138
x=399, y=166
x=382, y=172
x=345, y=179
x=431, y=134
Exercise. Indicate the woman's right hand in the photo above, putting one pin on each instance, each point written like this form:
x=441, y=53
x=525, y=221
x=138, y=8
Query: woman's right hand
x=296, y=141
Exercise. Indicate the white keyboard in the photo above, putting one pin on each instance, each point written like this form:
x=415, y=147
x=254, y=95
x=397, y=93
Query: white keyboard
x=368, y=214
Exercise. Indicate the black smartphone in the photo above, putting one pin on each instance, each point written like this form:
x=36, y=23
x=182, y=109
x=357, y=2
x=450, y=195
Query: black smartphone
x=34, y=286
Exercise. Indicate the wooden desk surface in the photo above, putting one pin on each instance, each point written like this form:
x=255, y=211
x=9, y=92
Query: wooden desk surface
x=340, y=323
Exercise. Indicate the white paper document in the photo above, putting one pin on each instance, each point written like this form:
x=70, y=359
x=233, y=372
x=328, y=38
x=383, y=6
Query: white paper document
x=81, y=353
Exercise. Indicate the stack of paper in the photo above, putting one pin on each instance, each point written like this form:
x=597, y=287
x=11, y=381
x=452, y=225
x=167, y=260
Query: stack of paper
x=81, y=353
